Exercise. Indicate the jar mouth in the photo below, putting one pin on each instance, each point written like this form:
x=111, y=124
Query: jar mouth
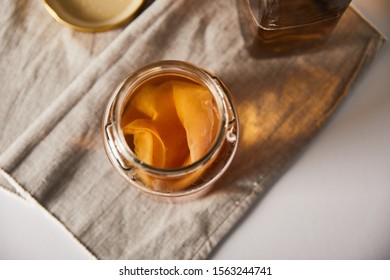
x=172, y=68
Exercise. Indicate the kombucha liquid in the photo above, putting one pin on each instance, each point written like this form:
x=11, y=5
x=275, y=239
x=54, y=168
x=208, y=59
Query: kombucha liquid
x=170, y=121
x=293, y=25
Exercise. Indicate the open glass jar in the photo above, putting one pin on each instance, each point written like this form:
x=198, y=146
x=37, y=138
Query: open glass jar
x=155, y=153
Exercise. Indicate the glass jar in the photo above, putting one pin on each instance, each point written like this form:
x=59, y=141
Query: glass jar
x=288, y=26
x=183, y=180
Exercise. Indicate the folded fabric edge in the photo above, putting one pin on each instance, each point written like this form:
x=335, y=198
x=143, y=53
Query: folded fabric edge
x=15, y=189
x=6, y=186
x=19, y=190
x=373, y=47
x=373, y=26
x=225, y=228
x=10, y=190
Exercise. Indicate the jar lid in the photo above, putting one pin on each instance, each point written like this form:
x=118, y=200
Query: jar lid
x=92, y=15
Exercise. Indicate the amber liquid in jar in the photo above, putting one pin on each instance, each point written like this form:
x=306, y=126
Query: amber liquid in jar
x=171, y=129
x=170, y=122
x=286, y=26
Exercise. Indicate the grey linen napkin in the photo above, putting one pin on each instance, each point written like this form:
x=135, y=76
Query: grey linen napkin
x=55, y=84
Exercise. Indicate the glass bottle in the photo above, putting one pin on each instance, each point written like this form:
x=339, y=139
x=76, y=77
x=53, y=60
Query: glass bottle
x=288, y=26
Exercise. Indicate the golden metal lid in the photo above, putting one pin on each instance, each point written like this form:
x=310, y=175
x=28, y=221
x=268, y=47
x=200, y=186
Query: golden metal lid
x=92, y=15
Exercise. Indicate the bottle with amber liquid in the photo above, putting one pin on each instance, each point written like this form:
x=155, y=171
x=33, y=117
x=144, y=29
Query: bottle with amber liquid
x=278, y=27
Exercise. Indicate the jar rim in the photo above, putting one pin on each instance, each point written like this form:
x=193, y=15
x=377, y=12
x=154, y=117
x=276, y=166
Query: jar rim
x=172, y=67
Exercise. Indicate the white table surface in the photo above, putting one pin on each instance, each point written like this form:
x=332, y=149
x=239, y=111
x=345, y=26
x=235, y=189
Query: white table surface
x=334, y=203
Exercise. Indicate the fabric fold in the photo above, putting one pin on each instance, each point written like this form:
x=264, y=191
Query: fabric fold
x=59, y=157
